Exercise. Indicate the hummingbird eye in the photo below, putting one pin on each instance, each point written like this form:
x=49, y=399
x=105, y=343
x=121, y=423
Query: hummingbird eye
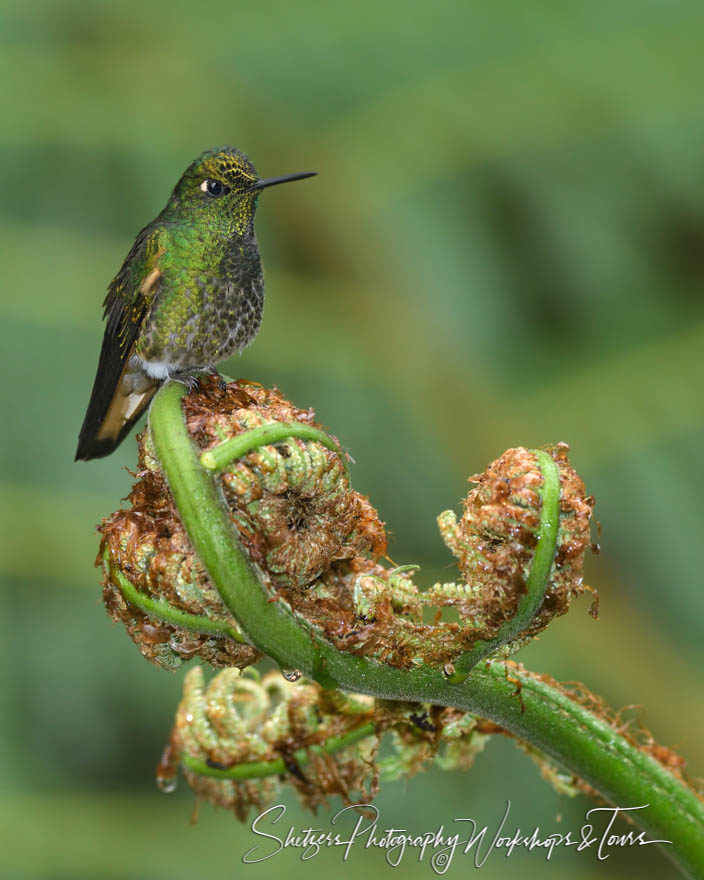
x=213, y=187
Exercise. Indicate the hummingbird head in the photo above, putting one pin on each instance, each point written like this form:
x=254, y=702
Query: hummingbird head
x=222, y=187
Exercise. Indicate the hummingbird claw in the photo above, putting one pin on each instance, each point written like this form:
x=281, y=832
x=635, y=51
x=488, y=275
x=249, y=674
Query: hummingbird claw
x=191, y=382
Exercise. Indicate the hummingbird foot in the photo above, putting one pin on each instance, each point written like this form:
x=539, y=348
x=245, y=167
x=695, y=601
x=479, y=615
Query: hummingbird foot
x=191, y=381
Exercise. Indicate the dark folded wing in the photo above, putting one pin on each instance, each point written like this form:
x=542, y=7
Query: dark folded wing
x=126, y=305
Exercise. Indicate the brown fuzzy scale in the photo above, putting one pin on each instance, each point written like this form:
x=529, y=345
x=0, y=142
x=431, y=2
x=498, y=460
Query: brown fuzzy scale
x=310, y=716
x=316, y=541
x=310, y=530
x=239, y=722
x=632, y=729
x=239, y=797
x=389, y=636
x=494, y=542
x=355, y=781
x=635, y=733
x=293, y=525
x=496, y=537
x=294, y=532
x=420, y=734
x=149, y=545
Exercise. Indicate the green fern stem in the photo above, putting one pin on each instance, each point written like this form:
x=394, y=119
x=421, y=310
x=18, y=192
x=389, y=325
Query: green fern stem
x=258, y=769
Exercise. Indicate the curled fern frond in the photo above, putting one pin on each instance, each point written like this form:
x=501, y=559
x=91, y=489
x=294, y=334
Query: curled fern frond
x=316, y=542
x=245, y=539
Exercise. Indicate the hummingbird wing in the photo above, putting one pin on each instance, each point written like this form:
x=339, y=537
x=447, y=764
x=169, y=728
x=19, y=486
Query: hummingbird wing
x=120, y=391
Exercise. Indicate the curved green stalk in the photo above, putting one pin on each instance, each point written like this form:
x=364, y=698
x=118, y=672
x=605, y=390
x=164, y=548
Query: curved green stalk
x=544, y=717
x=162, y=611
x=257, y=769
x=538, y=577
x=220, y=456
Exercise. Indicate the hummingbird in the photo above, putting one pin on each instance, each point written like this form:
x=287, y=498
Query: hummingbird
x=189, y=294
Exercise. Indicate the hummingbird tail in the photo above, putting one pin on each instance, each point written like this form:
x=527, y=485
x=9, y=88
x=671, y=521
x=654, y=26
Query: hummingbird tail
x=113, y=411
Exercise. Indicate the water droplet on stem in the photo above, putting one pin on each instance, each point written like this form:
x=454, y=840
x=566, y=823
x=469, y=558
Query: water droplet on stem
x=167, y=784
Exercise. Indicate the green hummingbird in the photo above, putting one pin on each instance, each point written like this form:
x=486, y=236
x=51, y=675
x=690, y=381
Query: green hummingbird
x=190, y=293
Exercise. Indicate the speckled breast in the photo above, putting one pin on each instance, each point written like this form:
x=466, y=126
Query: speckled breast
x=203, y=324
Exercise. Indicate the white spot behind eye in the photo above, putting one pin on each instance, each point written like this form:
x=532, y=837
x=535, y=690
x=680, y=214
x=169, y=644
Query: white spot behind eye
x=204, y=186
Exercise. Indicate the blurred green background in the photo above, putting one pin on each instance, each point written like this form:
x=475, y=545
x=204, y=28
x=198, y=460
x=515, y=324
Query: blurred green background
x=504, y=246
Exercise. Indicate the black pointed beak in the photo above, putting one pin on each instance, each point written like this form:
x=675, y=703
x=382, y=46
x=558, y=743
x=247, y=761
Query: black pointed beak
x=274, y=181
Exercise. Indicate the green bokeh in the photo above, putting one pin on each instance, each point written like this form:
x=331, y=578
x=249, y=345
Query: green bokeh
x=504, y=246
